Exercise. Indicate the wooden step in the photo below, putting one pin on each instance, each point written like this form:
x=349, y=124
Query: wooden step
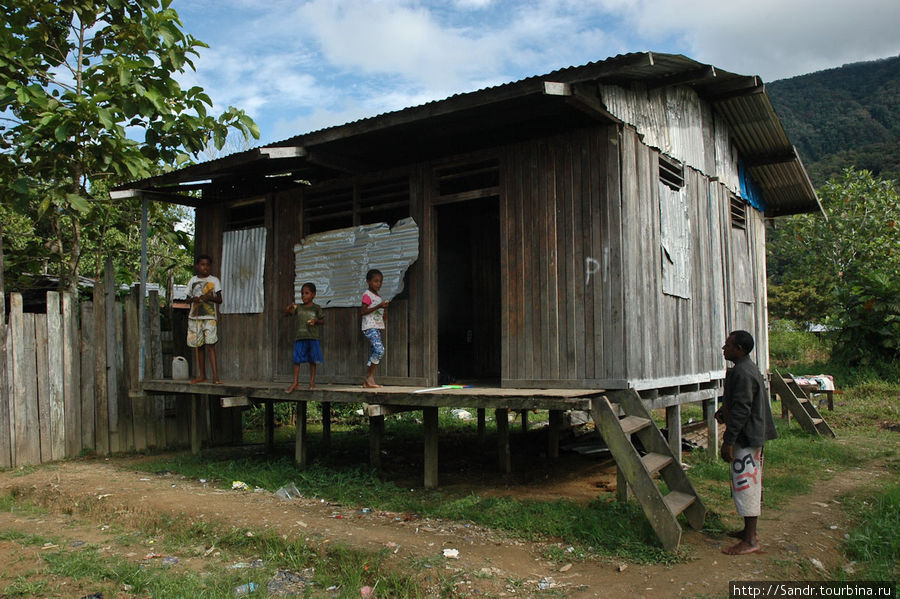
x=654, y=462
x=677, y=501
x=818, y=420
x=632, y=424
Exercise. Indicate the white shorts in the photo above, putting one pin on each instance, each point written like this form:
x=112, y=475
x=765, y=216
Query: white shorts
x=201, y=331
x=746, y=480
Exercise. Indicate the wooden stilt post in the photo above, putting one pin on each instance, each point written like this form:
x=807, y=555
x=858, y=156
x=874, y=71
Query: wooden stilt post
x=270, y=426
x=326, y=425
x=504, y=455
x=712, y=428
x=195, y=424
x=430, y=418
x=481, y=420
x=376, y=437
x=300, y=450
x=673, y=425
x=553, y=431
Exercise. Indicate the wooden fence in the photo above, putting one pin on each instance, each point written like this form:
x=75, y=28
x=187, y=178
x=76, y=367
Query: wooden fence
x=69, y=380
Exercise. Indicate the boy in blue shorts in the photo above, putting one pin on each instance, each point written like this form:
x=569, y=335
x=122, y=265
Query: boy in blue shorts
x=309, y=316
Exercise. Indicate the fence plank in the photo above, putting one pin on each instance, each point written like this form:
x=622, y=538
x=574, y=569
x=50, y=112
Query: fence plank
x=112, y=384
x=88, y=366
x=125, y=402
x=71, y=377
x=54, y=351
x=28, y=444
x=101, y=395
x=42, y=378
x=132, y=365
x=155, y=369
x=5, y=394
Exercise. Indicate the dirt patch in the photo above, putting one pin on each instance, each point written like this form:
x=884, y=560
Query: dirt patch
x=796, y=539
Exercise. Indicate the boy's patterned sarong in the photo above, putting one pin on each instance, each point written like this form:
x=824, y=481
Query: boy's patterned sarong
x=746, y=480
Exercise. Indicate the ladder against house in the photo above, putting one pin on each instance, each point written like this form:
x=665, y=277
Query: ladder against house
x=799, y=404
x=662, y=510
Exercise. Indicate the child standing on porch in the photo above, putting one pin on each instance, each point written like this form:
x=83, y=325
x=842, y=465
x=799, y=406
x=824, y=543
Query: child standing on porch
x=306, y=340
x=205, y=291
x=372, y=312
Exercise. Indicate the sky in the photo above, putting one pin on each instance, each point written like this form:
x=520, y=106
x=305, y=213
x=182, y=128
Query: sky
x=297, y=66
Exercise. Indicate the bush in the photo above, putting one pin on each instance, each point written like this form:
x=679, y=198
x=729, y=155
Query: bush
x=789, y=344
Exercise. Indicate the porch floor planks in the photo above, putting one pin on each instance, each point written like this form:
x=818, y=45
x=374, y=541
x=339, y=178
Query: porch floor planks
x=500, y=399
x=475, y=397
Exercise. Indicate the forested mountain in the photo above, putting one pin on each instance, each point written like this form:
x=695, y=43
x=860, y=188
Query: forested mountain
x=848, y=116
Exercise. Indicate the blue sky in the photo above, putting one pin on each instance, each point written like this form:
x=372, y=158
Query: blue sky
x=300, y=65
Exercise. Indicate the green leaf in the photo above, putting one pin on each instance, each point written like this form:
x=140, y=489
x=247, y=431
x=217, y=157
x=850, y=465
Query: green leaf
x=78, y=203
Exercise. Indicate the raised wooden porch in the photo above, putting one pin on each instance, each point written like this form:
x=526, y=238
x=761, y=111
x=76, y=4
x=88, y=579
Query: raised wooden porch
x=384, y=401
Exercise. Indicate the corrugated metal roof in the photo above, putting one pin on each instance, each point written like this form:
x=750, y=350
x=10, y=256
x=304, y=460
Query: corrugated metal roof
x=741, y=100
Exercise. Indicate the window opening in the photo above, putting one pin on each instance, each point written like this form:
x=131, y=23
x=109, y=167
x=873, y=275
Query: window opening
x=738, y=213
x=246, y=214
x=671, y=172
x=462, y=178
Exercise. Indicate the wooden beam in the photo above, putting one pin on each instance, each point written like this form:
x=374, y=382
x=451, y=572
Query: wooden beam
x=276, y=152
x=326, y=425
x=703, y=73
x=235, y=401
x=383, y=410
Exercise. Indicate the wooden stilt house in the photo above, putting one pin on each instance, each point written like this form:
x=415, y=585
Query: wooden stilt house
x=600, y=226
x=587, y=235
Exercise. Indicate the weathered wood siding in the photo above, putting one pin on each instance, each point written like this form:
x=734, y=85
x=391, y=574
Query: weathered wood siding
x=583, y=297
x=581, y=270
x=561, y=235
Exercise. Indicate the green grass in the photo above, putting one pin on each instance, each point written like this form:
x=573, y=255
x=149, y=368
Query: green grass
x=874, y=543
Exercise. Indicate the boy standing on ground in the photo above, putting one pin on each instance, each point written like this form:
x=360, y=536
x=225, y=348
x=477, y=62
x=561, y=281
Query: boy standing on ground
x=748, y=425
x=205, y=292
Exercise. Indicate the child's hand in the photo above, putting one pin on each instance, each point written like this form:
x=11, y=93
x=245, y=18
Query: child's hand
x=385, y=304
x=311, y=322
x=290, y=308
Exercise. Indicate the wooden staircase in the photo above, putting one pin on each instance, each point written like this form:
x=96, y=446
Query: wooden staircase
x=639, y=472
x=800, y=406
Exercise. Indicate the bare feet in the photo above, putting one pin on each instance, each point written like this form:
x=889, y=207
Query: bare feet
x=198, y=380
x=291, y=388
x=370, y=384
x=312, y=385
x=217, y=381
x=742, y=548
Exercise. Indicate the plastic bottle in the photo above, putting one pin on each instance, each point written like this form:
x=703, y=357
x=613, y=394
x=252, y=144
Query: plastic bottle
x=245, y=589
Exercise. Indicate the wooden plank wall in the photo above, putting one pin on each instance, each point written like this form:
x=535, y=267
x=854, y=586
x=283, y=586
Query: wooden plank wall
x=677, y=336
x=561, y=260
x=583, y=300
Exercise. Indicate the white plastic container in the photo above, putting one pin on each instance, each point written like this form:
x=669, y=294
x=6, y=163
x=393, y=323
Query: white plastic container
x=179, y=368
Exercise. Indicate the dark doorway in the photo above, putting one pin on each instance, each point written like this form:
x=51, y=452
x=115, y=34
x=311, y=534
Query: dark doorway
x=469, y=343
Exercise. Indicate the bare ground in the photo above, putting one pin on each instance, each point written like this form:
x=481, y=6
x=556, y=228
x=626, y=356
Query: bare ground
x=797, y=540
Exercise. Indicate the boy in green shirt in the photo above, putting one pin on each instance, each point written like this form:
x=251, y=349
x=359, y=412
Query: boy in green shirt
x=309, y=316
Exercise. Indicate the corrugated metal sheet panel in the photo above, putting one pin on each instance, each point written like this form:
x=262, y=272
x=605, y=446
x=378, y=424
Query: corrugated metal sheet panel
x=672, y=120
x=243, y=265
x=337, y=261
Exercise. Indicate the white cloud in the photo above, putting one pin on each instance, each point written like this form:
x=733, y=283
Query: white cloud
x=774, y=38
x=300, y=66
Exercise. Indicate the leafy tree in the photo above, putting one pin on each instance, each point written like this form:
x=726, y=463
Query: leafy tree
x=852, y=259
x=80, y=81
